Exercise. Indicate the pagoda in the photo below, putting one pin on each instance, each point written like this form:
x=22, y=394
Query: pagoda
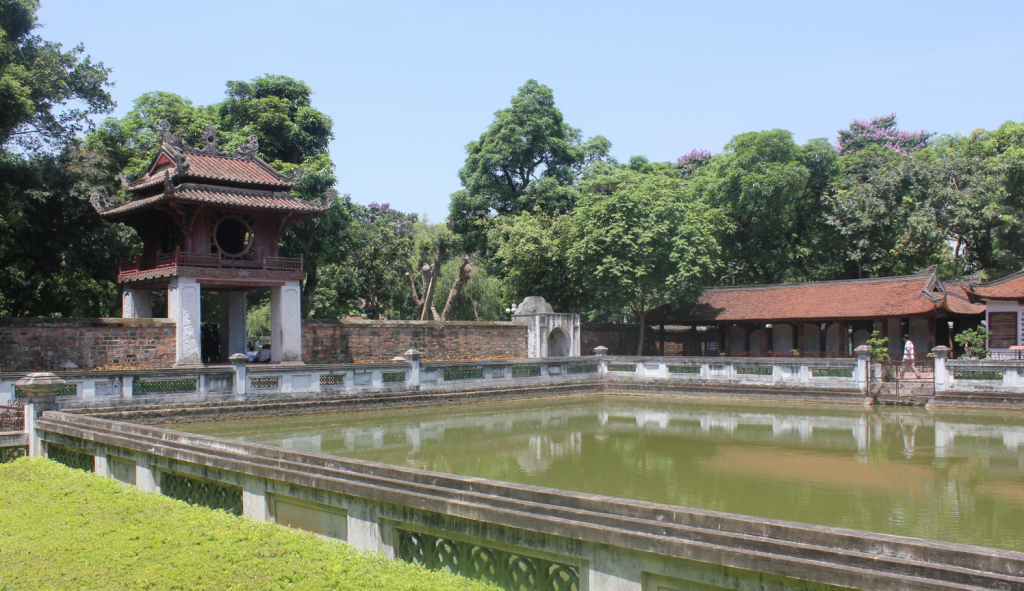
x=212, y=220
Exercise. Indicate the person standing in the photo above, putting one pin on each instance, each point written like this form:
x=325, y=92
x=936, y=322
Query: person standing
x=908, y=356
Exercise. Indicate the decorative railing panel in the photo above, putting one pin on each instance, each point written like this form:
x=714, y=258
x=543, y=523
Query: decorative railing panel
x=576, y=368
x=690, y=369
x=206, y=493
x=332, y=379
x=525, y=371
x=622, y=367
x=391, y=377
x=831, y=372
x=12, y=418
x=464, y=373
x=978, y=375
x=754, y=370
x=164, y=386
x=71, y=458
x=9, y=454
x=508, y=570
x=65, y=390
x=260, y=383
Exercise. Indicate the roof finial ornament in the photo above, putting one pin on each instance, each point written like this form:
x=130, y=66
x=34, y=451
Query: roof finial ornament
x=248, y=149
x=211, y=139
x=168, y=137
x=180, y=164
x=168, y=185
x=99, y=203
x=328, y=198
x=298, y=174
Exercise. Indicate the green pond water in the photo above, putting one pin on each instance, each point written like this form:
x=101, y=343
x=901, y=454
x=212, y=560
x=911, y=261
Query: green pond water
x=942, y=475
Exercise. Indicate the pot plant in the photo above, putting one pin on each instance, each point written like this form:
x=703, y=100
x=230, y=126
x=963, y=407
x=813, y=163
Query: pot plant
x=879, y=354
x=973, y=341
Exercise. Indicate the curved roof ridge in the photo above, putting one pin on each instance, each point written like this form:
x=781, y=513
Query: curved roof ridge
x=916, y=276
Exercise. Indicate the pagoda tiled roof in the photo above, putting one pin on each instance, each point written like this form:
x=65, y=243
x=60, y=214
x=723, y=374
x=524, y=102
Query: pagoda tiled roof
x=884, y=297
x=1010, y=287
x=185, y=163
x=225, y=196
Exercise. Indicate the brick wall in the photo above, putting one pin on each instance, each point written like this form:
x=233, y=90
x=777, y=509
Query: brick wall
x=337, y=341
x=44, y=344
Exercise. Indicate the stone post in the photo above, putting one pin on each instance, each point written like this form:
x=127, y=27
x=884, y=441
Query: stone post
x=238, y=360
x=414, y=357
x=41, y=391
x=183, y=308
x=941, y=374
x=286, y=323
x=863, y=367
x=602, y=366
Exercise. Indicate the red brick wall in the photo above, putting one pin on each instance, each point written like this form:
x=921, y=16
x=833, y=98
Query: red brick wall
x=44, y=344
x=337, y=341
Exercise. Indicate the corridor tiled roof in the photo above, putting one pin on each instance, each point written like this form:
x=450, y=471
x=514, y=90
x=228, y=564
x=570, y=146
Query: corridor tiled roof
x=1010, y=287
x=191, y=193
x=901, y=296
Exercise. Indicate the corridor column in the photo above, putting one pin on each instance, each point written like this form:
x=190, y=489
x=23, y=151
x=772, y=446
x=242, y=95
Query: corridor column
x=286, y=323
x=232, y=323
x=764, y=340
x=183, y=309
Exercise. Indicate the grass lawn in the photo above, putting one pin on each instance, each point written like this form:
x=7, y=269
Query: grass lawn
x=68, y=529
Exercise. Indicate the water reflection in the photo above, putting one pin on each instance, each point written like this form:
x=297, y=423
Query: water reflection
x=952, y=476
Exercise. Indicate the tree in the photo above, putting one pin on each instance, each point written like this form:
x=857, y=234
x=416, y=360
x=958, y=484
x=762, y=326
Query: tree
x=528, y=158
x=381, y=241
x=639, y=241
x=37, y=81
x=882, y=132
x=770, y=188
x=532, y=258
x=56, y=257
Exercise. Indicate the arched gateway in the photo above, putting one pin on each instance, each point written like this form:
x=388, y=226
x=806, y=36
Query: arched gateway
x=211, y=220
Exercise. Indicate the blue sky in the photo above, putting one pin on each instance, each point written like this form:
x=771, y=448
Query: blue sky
x=409, y=84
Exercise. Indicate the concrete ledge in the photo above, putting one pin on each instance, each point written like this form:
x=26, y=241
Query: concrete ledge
x=833, y=556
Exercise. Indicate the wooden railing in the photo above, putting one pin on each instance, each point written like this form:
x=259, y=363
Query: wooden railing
x=191, y=259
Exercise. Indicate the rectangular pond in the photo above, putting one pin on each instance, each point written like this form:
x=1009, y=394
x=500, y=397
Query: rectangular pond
x=945, y=475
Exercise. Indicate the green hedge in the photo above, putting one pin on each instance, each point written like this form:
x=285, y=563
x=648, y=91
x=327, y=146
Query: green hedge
x=68, y=529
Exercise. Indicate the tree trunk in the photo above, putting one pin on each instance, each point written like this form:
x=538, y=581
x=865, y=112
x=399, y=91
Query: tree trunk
x=309, y=288
x=643, y=319
x=428, y=298
x=415, y=297
x=465, y=272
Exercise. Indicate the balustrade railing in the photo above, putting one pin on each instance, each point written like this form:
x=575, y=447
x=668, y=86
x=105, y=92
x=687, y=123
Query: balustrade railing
x=190, y=259
x=12, y=418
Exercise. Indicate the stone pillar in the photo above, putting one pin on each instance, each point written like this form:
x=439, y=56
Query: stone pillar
x=232, y=323
x=286, y=323
x=35, y=447
x=183, y=308
x=254, y=499
x=238, y=361
x=941, y=374
x=800, y=337
x=931, y=333
x=414, y=357
x=863, y=367
x=661, y=339
x=145, y=477
x=136, y=303
x=725, y=329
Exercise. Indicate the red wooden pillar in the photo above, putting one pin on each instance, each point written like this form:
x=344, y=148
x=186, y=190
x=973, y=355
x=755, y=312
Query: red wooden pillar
x=724, y=329
x=931, y=335
x=800, y=337
x=764, y=339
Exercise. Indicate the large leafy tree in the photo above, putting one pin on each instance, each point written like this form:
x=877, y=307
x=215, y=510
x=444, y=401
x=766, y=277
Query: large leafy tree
x=55, y=256
x=532, y=255
x=639, y=241
x=528, y=158
x=771, y=190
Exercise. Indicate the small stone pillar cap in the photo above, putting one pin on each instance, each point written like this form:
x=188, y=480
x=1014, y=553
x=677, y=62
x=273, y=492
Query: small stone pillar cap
x=40, y=384
x=413, y=354
x=238, y=358
x=863, y=350
x=601, y=351
x=941, y=351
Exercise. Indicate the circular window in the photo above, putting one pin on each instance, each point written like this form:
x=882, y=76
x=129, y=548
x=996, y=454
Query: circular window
x=232, y=236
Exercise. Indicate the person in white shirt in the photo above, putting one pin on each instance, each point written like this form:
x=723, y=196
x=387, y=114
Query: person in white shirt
x=251, y=354
x=264, y=356
x=908, y=356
